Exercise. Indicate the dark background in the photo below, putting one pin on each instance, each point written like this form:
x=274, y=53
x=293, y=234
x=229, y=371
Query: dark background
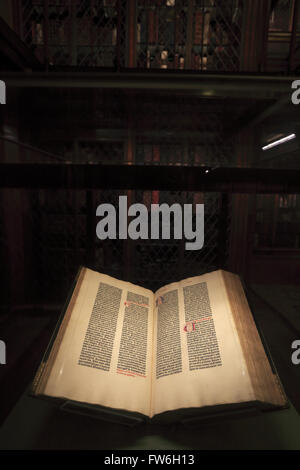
x=139, y=98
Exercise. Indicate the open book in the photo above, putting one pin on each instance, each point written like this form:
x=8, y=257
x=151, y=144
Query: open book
x=191, y=347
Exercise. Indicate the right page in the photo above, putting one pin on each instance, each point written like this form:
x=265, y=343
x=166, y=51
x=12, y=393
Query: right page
x=197, y=355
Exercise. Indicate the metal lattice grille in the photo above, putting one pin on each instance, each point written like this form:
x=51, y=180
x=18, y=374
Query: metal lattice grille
x=158, y=262
x=59, y=239
x=61, y=236
x=199, y=35
x=56, y=234
x=81, y=32
x=96, y=33
x=61, y=225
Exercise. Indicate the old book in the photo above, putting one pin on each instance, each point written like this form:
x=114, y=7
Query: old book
x=191, y=349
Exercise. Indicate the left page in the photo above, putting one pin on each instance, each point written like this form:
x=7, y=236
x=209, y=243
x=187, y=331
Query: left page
x=105, y=355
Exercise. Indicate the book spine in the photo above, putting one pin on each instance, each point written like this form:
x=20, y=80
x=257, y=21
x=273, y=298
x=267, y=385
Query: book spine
x=35, y=383
x=281, y=390
x=42, y=367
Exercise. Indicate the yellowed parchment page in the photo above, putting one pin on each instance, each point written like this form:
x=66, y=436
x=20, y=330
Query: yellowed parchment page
x=127, y=324
x=205, y=356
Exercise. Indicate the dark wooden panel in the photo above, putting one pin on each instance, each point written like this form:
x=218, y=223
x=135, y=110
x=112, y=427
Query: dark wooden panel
x=179, y=178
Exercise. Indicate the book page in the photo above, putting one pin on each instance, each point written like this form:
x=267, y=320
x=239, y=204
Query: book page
x=106, y=352
x=198, y=360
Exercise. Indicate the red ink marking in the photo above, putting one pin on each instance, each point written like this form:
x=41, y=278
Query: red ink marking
x=190, y=325
x=124, y=373
x=129, y=372
x=160, y=300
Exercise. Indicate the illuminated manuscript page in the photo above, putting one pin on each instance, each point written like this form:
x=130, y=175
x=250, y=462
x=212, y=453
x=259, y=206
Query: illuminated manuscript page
x=119, y=387
x=222, y=379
